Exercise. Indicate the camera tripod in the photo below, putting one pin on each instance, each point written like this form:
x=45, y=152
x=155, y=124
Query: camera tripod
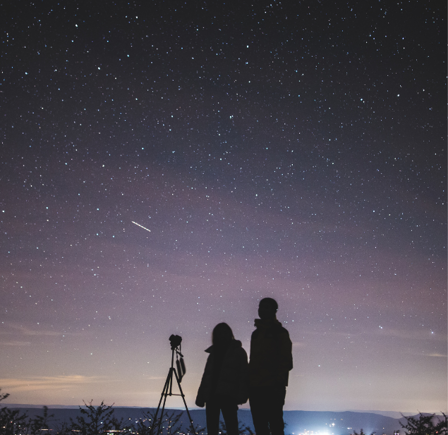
x=168, y=388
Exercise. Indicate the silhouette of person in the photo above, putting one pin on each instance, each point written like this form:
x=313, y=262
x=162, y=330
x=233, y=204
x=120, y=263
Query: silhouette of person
x=224, y=384
x=269, y=366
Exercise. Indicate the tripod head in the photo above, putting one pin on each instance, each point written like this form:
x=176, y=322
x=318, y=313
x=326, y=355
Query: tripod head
x=175, y=341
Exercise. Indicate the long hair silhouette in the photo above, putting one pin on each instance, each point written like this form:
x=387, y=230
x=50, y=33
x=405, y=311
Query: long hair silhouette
x=222, y=334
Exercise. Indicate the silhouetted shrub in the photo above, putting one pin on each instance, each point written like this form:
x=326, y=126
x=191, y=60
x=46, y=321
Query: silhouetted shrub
x=11, y=422
x=425, y=425
x=97, y=420
x=148, y=425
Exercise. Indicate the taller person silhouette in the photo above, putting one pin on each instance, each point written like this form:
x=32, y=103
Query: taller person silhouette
x=269, y=366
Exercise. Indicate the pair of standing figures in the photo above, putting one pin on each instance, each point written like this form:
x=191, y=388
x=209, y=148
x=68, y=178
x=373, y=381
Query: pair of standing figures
x=229, y=380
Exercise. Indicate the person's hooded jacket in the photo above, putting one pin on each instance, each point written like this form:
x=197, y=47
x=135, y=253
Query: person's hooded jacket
x=270, y=354
x=225, y=374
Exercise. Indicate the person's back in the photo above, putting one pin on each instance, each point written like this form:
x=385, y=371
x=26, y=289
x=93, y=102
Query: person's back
x=269, y=366
x=224, y=382
x=270, y=354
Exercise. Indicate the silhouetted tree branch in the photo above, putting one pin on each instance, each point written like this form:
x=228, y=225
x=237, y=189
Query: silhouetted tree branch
x=425, y=425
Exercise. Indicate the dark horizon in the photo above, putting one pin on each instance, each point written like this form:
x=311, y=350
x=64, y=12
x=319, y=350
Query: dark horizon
x=244, y=408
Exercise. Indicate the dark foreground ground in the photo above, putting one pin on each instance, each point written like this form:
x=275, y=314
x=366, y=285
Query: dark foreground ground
x=337, y=423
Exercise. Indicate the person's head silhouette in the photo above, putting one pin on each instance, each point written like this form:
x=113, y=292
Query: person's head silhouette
x=222, y=334
x=267, y=309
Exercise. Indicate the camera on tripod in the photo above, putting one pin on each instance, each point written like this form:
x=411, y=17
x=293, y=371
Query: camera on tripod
x=175, y=341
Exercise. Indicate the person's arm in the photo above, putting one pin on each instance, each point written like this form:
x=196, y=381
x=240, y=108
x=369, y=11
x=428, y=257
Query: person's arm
x=202, y=391
x=285, y=354
x=243, y=381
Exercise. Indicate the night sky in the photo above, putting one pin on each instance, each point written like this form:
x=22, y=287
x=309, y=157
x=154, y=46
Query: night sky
x=286, y=149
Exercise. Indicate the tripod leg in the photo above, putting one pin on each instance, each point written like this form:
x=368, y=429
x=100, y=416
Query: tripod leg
x=165, y=392
x=185, y=403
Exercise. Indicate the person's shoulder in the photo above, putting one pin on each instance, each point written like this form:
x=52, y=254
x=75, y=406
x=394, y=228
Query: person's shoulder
x=237, y=349
x=281, y=330
x=237, y=346
x=284, y=329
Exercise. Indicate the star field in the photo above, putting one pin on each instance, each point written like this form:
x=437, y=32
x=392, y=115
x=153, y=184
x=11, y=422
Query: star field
x=295, y=150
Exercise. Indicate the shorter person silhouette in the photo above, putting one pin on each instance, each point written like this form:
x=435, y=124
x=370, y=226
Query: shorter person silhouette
x=224, y=384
